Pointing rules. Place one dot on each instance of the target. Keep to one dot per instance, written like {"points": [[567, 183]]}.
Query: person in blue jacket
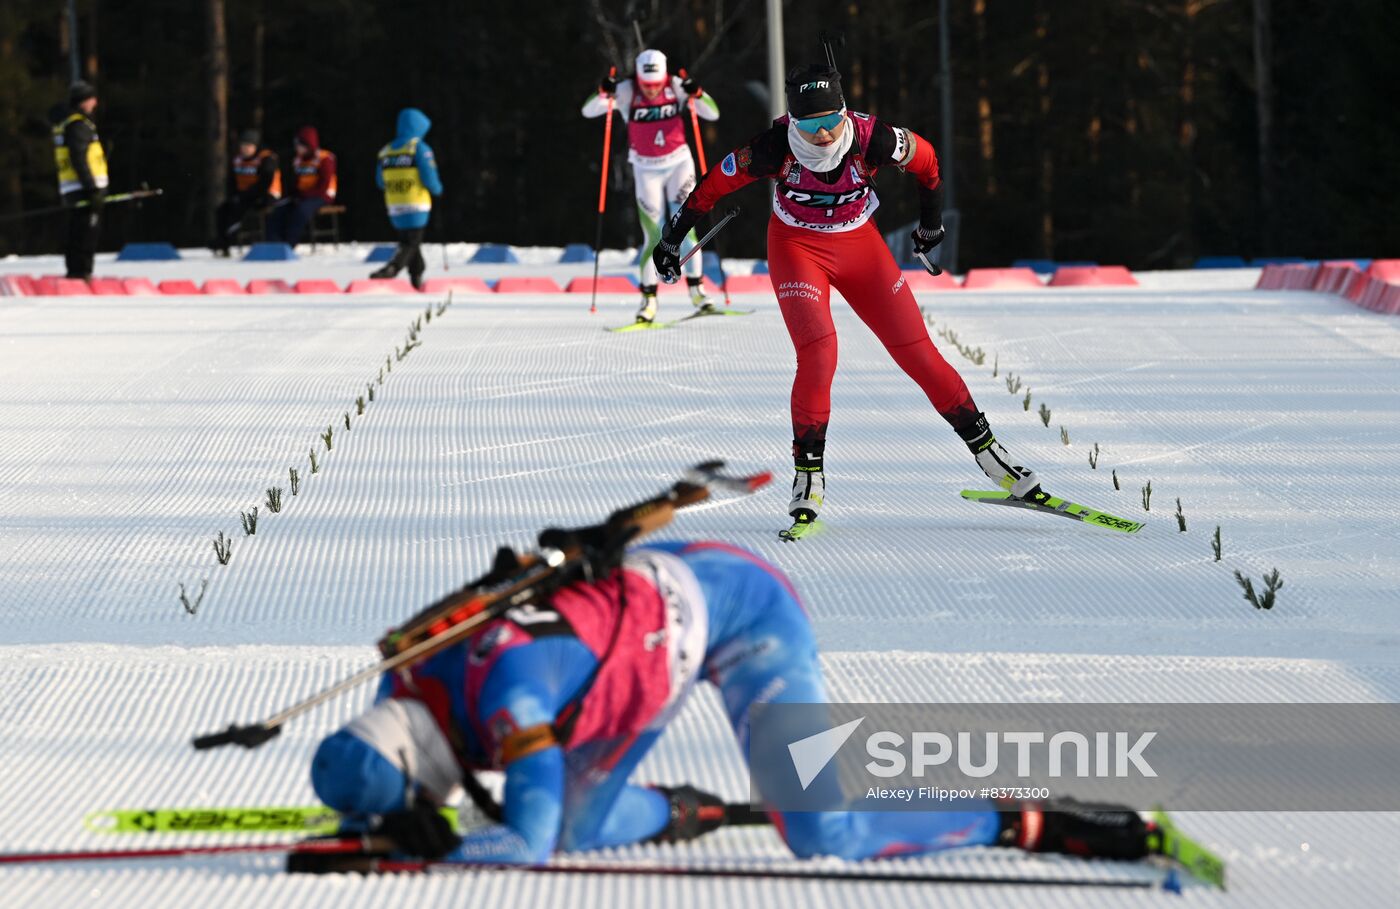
{"points": [[408, 174], [567, 696]]}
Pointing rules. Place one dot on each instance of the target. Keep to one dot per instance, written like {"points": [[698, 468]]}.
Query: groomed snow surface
{"points": [[134, 430]]}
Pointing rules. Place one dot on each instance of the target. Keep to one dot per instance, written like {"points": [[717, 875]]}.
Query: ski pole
{"points": [[729, 216], [356, 846], [84, 203], [695, 126], [456, 616], [602, 193]]}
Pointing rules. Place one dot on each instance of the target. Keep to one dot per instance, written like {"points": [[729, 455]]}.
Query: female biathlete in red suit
{"points": [[821, 235]]}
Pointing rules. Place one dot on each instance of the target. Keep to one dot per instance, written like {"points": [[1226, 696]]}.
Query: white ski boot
{"points": [[647, 311], [995, 462]]}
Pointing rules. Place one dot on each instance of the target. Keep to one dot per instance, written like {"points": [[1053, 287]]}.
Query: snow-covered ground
{"points": [[134, 430]]}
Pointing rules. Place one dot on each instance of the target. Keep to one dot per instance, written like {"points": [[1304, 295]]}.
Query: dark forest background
{"points": [[1144, 132]]}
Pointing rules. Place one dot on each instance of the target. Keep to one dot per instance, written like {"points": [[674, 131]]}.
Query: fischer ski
{"points": [[1048, 504], [707, 310], [1193, 858], [308, 819]]}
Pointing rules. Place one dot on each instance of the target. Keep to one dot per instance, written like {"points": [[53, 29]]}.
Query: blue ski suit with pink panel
{"points": [[757, 646]]}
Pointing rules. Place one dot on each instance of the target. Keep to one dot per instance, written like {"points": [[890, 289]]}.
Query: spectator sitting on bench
{"points": [[254, 185], [314, 187]]}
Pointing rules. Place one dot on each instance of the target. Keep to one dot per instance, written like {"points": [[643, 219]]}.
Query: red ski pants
{"points": [[804, 266]]}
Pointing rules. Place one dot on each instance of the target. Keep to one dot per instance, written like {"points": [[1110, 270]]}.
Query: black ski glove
{"points": [[608, 85], [691, 87], [1071, 828], [667, 259], [693, 814], [926, 238], [420, 830]]}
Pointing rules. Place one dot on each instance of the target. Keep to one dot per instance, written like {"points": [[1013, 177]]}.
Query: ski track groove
{"points": [[1270, 415]]}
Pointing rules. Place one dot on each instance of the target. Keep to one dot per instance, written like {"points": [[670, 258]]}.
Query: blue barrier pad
{"points": [[577, 252], [270, 252], [1220, 262], [148, 252], [495, 254]]}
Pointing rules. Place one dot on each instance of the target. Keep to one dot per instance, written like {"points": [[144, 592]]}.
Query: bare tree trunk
{"points": [[986, 130], [216, 154], [259, 67], [1186, 137], [1047, 158], [1264, 107]]}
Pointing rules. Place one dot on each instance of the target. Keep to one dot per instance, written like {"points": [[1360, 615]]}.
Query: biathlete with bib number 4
{"points": [[654, 105], [821, 235]]}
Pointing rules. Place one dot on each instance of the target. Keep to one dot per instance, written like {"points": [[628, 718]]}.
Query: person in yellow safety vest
{"points": [[82, 177], [315, 186], [408, 174], [254, 184]]}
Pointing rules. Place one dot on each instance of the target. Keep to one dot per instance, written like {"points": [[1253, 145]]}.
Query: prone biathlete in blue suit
{"points": [[568, 698]]}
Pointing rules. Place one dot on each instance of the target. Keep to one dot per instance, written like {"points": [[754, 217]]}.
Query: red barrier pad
{"points": [[999, 278], [462, 283], [607, 284], [380, 286], [223, 286], [1387, 270], [1093, 276], [56, 286], [750, 284], [922, 280], [710, 287], [269, 286], [316, 286], [535, 285], [1332, 277], [179, 288], [139, 287], [107, 287], [1390, 302], [16, 285]]}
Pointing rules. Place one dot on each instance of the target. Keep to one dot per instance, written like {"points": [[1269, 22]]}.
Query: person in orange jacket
{"points": [[314, 186]]}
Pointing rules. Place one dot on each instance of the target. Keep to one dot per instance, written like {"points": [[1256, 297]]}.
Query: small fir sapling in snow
{"points": [[192, 608], [369, 391], [996, 365], [1094, 457], [1180, 518], [359, 405], [223, 548], [315, 468], [1064, 436], [1147, 496], [295, 479], [250, 521], [274, 499], [1044, 414], [1215, 543], [327, 436], [347, 420], [1026, 404], [1115, 480], [1272, 585]]}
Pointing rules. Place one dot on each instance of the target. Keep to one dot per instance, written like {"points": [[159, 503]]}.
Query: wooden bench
{"points": [[325, 225]]}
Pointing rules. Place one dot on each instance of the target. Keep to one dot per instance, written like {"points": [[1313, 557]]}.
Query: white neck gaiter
{"points": [[816, 158]]}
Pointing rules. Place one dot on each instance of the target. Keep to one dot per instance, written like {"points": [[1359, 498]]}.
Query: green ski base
{"points": [[1048, 504], [1193, 858], [309, 819]]}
